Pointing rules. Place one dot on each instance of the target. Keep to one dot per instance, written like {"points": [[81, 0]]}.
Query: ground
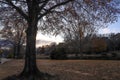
{"points": [[69, 69]]}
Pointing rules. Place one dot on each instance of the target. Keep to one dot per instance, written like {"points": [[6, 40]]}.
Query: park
{"points": [[85, 52]]}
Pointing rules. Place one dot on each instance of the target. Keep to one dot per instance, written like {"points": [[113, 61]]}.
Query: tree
{"points": [[14, 30], [113, 41], [86, 21], [34, 10], [41, 50], [98, 45], [77, 33]]}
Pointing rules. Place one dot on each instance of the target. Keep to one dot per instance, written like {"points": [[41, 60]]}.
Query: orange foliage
{"points": [[98, 45]]}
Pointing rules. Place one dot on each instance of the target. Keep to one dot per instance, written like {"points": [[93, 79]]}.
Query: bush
{"points": [[114, 55], [58, 53], [10, 55]]}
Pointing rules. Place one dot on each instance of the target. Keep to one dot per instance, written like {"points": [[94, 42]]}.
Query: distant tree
{"points": [[118, 41], [58, 53], [1, 51], [98, 45], [87, 21], [51, 47], [14, 30], [42, 50], [113, 41], [77, 32]]}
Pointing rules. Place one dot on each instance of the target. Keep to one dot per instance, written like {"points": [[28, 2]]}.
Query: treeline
{"points": [[97, 46]]}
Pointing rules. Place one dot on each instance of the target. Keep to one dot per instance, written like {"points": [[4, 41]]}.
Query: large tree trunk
{"points": [[30, 67]]}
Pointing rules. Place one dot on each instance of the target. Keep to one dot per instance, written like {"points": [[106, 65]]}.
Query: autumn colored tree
{"points": [[98, 45]]}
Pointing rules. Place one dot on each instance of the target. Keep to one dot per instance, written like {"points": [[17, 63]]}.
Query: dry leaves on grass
{"points": [[69, 69]]}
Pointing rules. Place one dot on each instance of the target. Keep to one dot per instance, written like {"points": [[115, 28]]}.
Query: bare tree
{"points": [[87, 20], [14, 30], [77, 32], [32, 11]]}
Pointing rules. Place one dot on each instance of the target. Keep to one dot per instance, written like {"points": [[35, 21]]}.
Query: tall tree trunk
{"points": [[14, 53], [17, 48], [30, 68], [80, 48], [18, 51]]}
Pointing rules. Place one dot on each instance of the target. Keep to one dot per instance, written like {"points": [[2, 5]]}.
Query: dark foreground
{"points": [[68, 69]]}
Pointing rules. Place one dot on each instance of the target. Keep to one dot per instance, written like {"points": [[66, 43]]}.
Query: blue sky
{"points": [[112, 28]]}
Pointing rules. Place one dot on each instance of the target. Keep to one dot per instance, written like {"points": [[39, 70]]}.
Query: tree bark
{"points": [[17, 49], [14, 53], [30, 68]]}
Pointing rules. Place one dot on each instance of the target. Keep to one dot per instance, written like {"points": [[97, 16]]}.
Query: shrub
{"points": [[58, 53], [10, 55], [114, 55]]}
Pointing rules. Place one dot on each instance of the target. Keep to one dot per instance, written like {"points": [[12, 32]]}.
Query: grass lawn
{"points": [[69, 69]]}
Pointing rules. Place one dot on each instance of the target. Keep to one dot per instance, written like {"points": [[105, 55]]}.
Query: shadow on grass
{"points": [[43, 76]]}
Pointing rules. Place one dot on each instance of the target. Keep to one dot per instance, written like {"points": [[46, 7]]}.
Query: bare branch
{"points": [[43, 5], [18, 9], [3, 2], [53, 7]]}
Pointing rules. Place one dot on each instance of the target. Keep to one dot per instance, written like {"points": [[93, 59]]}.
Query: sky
{"points": [[112, 28], [47, 39]]}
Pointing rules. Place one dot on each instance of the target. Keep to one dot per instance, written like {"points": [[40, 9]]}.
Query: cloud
{"points": [[51, 38], [104, 31], [42, 42], [47, 39], [109, 30]]}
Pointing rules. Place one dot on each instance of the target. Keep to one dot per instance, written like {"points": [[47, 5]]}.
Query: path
{"points": [[3, 60]]}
